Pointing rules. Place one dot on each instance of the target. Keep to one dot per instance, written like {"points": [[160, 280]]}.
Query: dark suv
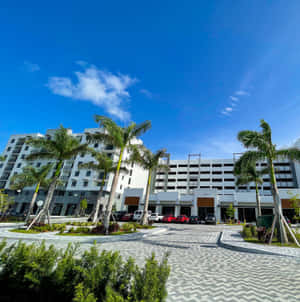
{"points": [[210, 218], [194, 219]]}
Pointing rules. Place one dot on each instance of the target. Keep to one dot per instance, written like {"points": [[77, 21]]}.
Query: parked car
{"points": [[119, 214], [194, 220], [210, 218], [138, 215], [169, 218], [127, 217], [156, 217], [182, 219]]}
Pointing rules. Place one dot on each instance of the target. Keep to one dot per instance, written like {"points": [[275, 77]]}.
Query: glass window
{"points": [[77, 173], [74, 182], [88, 173], [85, 183]]}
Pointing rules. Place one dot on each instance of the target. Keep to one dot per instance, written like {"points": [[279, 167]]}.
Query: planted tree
{"points": [[104, 165], [5, 203], [149, 161], [83, 206], [30, 177], [61, 147], [262, 148], [248, 174], [121, 138], [230, 211]]}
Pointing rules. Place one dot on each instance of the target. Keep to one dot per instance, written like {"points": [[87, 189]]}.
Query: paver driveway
{"points": [[203, 271]]}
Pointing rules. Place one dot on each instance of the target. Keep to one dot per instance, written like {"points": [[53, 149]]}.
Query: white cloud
{"points": [[234, 98], [227, 111], [102, 88], [146, 92], [242, 92], [31, 67]]}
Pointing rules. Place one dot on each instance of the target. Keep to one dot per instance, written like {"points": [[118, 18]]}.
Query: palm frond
{"points": [[251, 139], [41, 155], [90, 166], [291, 153], [266, 131], [141, 128]]}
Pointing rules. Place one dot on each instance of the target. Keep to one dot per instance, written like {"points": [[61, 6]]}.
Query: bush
{"points": [[128, 227], [247, 231], [36, 273], [113, 227], [253, 230]]}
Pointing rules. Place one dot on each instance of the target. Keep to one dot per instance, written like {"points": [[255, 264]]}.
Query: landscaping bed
{"points": [[250, 235]]}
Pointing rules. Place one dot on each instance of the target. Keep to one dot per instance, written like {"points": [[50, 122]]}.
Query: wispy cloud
{"points": [[102, 88], [242, 92], [234, 101], [146, 92], [31, 67]]}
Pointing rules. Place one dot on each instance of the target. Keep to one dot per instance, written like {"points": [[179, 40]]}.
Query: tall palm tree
{"points": [[248, 174], [121, 138], [262, 148], [61, 147], [149, 161], [105, 165], [29, 177]]}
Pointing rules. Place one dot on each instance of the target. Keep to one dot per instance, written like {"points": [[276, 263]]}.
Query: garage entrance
{"points": [[185, 211], [168, 210], [132, 208], [247, 214], [266, 211], [203, 211]]}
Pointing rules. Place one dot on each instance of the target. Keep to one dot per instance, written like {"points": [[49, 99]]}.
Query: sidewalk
{"points": [[233, 240]]}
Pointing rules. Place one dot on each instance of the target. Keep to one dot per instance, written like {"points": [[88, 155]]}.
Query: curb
{"points": [[249, 250]]}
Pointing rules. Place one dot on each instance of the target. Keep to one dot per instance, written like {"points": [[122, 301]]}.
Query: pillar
{"points": [[177, 211], [218, 214], [158, 209]]}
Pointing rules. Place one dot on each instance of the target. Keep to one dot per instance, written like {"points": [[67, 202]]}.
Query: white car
{"points": [[138, 215], [156, 217]]}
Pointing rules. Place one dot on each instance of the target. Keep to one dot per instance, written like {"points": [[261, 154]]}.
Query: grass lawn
{"points": [[275, 242], [25, 231], [93, 234]]}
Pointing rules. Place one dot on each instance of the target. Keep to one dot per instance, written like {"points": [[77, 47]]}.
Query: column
{"points": [[158, 209], [177, 211], [218, 214]]}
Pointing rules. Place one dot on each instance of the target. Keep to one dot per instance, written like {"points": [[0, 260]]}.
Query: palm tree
{"points": [[61, 147], [262, 148], [149, 161], [105, 165], [29, 177], [121, 138], [248, 174]]}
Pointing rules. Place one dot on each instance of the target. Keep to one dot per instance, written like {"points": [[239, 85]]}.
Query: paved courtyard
{"points": [[201, 270]]}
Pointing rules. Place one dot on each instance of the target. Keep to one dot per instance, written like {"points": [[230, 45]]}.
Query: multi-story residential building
{"points": [[199, 186], [77, 183]]}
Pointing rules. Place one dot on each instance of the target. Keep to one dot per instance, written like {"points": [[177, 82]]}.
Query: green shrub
{"points": [[128, 227], [253, 230], [247, 231], [36, 273]]}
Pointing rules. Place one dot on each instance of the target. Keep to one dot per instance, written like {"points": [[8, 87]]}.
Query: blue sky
{"points": [[199, 70]]}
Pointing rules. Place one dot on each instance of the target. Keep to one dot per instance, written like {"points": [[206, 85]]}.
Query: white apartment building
{"points": [[199, 186], [78, 183]]}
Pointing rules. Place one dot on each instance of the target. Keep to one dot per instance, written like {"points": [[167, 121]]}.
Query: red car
{"points": [[169, 218], [182, 219], [127, 217]]}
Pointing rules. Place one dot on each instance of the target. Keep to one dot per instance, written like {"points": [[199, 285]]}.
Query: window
{"points": [[77, 173], [74, 182], [70, 193], [101, 175], [79, 163], [12, 141], [216, 172], [204, 179], [61, 193], [26, 148], [23, 156], [88, 173], [217, 180], [38, 164], [129, 181], [194, 166], [229, 179], [172, 173], [119, 196], [82, 154], [1, 165], [9, 148], [181, 187], [182, 166], [171, 188], [85, 183], [82, 194], [216, 165], [96, 145], [173, 166], [109, 147], [228, 172], [229, 188], [130, 173], [228, 165], [132, 164], [122, 177], [19, 165], [121, 187], [205, 165]]}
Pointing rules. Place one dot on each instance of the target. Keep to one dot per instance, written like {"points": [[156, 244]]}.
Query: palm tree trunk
{"points": [[44, 213], [112, 194], [146, 203], [277, 205], [32, 202], [95, 218], [257, 200]]}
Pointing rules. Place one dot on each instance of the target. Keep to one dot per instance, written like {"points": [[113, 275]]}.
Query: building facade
{"points": [[77, 183], [200, 186]]}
